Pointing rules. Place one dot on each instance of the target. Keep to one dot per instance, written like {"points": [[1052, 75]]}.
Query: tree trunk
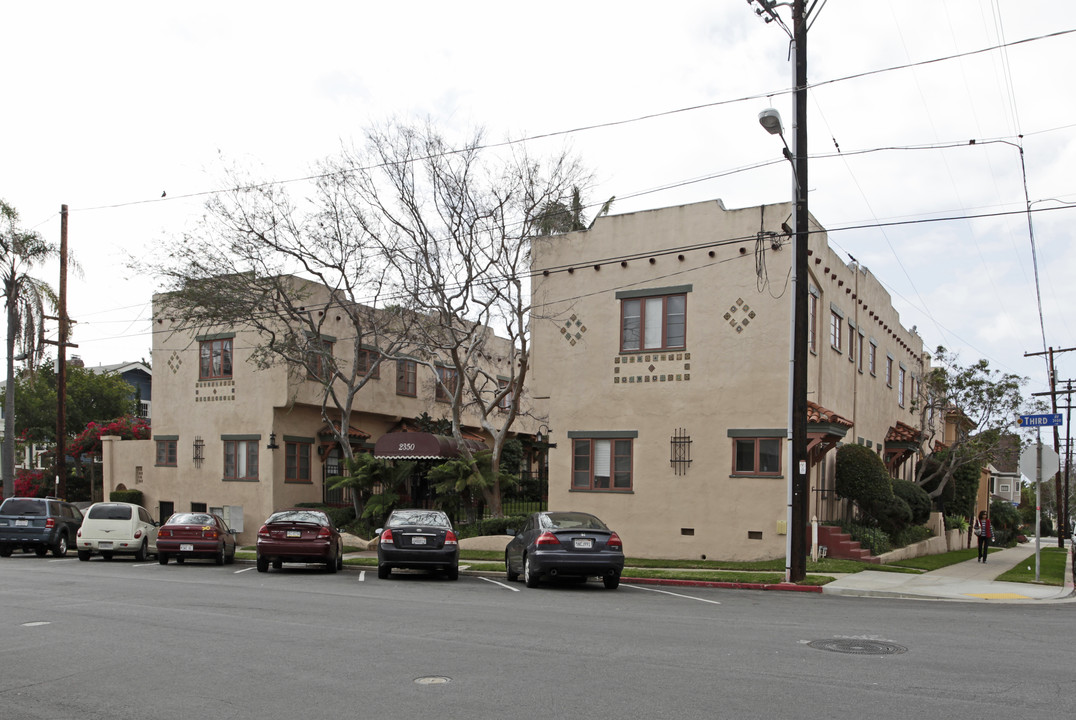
{"points": [[8, 467]]}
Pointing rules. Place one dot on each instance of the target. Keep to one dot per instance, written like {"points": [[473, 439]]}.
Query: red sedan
{"points": [[299, 535], [195, 535]]}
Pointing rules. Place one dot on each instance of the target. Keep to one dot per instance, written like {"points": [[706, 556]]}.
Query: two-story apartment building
{"points": [[661, 339], [245, 439]]}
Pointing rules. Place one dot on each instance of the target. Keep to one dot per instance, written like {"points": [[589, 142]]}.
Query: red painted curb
{"points": [[787, 587]]}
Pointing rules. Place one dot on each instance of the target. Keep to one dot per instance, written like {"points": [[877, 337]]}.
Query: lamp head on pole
{"points": [[771, 120]]}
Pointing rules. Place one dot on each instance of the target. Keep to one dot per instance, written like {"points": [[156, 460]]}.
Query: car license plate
{"points": [[105, 545], [294, 533], [22, 523], [417, 540], [584, 543], [186, 548]]}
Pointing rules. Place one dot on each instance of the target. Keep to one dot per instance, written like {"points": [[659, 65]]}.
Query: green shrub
{"points": [[491, 526], [911, 535], [916, 497], [965, 490], [861, 476], [341, 517], [127, 496], [893, 514], [1046, 526], [873, 538], [1005, 522], [956, 522]]}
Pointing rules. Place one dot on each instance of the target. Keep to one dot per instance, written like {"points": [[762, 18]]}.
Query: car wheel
{"points": [[41, 551], [530, 577], [106, 555], [263, 564], [383, 571], [339, 562], [330, 564], [611, 581], [83, 555], [453, 572], [230, 558], [162, 558], [5, 552], [140, 556], [511, 574], [220, 557], [61, 547]]}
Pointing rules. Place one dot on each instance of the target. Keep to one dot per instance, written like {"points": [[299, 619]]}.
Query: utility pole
{"points": [[61, 365], [796, 562], [1049, 352]]}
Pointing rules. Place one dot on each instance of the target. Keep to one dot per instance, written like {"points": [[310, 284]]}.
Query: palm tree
{"points": [[26, 300]]}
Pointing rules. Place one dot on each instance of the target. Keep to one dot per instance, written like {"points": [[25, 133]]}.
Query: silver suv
{"points": [[38, 524]]}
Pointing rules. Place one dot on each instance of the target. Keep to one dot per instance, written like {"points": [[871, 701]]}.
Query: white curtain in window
{"points": [[601, 458], [653, 323]]}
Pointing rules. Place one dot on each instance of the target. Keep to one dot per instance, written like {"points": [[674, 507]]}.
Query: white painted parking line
{"points": [[666, 592], [248, 569], [495, 582], [147, 564], [362, 576]]}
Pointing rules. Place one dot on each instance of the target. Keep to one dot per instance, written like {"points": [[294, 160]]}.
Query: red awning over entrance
{"points": [[421, 446]]}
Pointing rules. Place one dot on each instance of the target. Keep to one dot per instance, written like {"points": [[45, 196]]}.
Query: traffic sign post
{"points": [[1035, 462]]}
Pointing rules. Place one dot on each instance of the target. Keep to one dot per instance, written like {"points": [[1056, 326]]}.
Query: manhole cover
{"points": [[854, 646], [432, 680]]}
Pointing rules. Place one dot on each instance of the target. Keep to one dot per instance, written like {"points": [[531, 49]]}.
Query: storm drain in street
{"points": [[855, 646], [432, 680]]}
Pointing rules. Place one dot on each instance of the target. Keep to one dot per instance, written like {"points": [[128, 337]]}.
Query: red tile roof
{"points": [[818, 414]]}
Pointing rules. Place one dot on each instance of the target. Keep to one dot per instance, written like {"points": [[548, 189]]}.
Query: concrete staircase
{"points": [[840, 544]]}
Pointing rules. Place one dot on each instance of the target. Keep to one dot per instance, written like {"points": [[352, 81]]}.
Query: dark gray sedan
{"points": [[565, 544], [418, 539]]}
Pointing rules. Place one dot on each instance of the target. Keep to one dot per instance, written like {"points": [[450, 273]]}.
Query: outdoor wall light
{"points": [[272, 441]]}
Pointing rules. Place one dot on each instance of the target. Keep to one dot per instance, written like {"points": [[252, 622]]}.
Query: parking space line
{"points": [[247, 569], [495, 582], [362, 576], [666, 592], [147, 564]]}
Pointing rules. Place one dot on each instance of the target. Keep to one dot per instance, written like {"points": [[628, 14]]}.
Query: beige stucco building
{"points": [[243, 440], [661, 339]]}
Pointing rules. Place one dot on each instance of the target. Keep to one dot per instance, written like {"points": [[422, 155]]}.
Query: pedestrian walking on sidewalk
{"points": [[985, 533]]}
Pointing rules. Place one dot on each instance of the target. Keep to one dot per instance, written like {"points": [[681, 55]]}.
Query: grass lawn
{"points": [[1051, 568], [927, 563]]}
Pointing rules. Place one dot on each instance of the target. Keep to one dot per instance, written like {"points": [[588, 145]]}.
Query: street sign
{"points": [[1047, 420], [1029, 462]]}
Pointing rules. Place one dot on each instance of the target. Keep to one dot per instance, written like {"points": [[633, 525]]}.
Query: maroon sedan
{"points": [[195, 535], [299, 535]]}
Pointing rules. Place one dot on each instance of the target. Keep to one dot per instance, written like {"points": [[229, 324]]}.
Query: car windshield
{"points": [[571, 521], [21, 506], [110, 512], [190, 519], [419, 517], [299, 516]]}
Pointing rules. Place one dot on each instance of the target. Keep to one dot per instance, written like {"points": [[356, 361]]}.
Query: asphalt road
{"points": [[117, 640]]}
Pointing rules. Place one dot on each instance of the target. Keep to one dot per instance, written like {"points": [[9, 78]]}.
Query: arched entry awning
{"points": [[825, 429], [421, 446]]}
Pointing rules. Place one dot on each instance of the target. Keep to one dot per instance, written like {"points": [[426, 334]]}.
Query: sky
{"points": [[109, 105]]}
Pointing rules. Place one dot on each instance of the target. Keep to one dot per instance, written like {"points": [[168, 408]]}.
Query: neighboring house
{"points": [[1004, 480], [241, 440], [140, 377], [661, 339]]}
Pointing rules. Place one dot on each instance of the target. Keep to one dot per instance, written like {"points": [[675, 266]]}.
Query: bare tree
{"points": [[26, 300], [455, 223], [981, 406], [262, 261]]}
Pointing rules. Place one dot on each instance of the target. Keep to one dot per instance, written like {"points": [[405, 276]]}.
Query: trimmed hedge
{"points": [[341, 517], [917, 498], [128, 496], [491, 526]]}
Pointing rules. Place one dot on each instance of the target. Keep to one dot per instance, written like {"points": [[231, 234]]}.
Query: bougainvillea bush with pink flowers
{"points": [[126, 428]]}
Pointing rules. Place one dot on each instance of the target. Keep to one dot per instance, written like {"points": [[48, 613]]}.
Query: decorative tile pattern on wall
{"points": [[214, 391], [653, 367], [739, 315], [572, 330], [174, 362]]}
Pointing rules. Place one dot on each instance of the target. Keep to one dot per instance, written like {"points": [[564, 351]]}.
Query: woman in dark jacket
{"points": [[985, 533]]}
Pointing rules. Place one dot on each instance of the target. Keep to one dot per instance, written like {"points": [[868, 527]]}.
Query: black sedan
{"points": [[565, 544], [418, 539]]}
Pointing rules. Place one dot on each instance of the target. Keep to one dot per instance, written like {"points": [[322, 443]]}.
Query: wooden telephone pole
{"points": [[61, 365]]}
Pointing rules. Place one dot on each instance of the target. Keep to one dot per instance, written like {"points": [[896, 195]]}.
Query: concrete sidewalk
{"points": [[969, 581]]}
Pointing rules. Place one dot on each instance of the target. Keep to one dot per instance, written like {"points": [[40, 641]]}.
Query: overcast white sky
{"points": [[109, 104]]}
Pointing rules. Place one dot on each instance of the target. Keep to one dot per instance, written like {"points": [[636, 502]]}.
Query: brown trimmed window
{"points": [[654, 323], [851, 343], [166, 453], [297, 462], [900, 387], [505, 403], [407, 378], [240, 459], [756, 456], [600, 464], [889, 371], [367, 364], [447, 380], [835, 322], [319, 360], [872, 358], [215, 359], [812, 322]]}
